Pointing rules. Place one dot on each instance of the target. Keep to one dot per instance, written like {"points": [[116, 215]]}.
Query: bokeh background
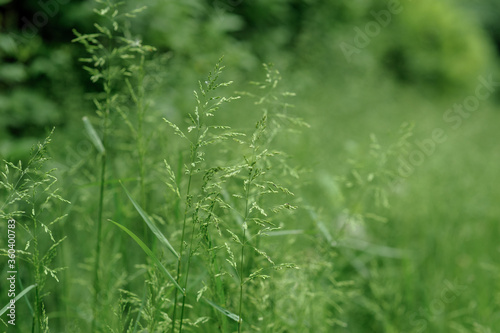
{"points": [[407, 92]]}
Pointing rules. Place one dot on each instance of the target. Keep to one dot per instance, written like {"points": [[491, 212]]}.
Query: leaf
{"points": [[227, 313], [151, 225], [21, 294], [285, 232], [93, 135], [376, 217], [150, 254]]}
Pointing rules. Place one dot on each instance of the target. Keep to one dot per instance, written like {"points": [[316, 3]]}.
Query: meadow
{"points": [[227, 166]]}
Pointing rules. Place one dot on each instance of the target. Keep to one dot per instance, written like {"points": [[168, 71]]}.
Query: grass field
{"points": [[285, 201]]}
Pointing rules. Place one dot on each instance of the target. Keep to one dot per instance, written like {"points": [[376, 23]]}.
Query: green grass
{"points": [[248, 208]]}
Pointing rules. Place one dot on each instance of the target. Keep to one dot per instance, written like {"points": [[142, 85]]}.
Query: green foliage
{"points": [[435, 56], [394, 41], [485, 11], [39, 81], [32, 199], [234, 209]]}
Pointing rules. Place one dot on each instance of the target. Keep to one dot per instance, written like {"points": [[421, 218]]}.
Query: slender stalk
{"points": [[187, 277], [181, 250], [247, 197], [214, 270], [36, 262], [100, 210], [194, 150], [141, 149], [241, 282], [140, 140], [99, 239]]}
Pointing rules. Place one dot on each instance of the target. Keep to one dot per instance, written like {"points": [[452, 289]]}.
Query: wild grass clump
{"points": [[194, 219], [222, 188], [33, 200], [223, 217], [115, 58]]}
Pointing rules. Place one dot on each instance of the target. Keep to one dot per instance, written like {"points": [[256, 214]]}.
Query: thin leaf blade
{"points": [[150, 254], [21, 294], [94, 137], [151, 225], [225, 312]]}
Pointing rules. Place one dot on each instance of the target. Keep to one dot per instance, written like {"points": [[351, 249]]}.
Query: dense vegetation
{"points": [[250, 166]]}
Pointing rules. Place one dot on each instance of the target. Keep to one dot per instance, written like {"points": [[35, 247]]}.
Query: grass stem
{"points": [[97, 261]]}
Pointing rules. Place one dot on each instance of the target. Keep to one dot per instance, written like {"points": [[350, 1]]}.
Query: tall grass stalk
{"points": [[247, 185], [138, 97], [259, 184], [101, 59], [107, 52], [205, 107], [181, 247], [240, 306], [102, 181]]}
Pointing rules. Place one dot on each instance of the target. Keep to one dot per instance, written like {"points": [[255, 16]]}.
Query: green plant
{"points": [[207, 105], [32, 199], [112, 57], [203, 224], [225, 205]]}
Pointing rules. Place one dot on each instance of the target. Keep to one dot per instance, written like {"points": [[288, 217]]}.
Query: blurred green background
{"points": [[360, 70], [316, 44]]}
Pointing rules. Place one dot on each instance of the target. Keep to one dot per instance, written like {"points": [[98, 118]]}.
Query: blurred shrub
{"points": [[428, 44], [354, 37], [487, 11], [448, 53], [24, 108], [40, 86]]}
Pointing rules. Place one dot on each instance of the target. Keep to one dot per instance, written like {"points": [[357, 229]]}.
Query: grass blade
{"points": [[285, 232], [93, 135], [225, 312], [151, 225], [21, 294], [146, 249]]}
